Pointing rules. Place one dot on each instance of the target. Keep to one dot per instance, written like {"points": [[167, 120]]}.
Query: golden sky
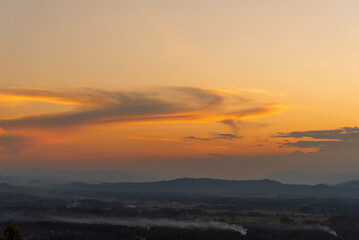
{"points": [[229, 89]]}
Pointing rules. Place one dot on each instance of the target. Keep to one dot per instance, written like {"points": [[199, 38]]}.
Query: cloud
{"points": [[215, 136], [232, 124], [323, 138], [345, 133], [71, 96], [170, 104], [226, 136], [197, 138], [96, 107]]}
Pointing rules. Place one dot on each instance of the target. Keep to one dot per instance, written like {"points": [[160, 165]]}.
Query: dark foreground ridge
{"points": [[185, 208]]}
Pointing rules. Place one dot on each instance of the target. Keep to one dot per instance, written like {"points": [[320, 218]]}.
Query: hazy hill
{"points": [[206, 186], [350, 184], [42, 176], [4, 187], [299, 177], [195, 186]]}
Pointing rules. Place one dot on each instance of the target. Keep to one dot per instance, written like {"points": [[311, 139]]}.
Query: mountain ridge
{"points": [[199, 186], [206, 186], [302, 177]]}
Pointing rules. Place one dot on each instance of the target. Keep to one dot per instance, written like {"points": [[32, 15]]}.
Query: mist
{"points": [[302, 227], [148, 223]]}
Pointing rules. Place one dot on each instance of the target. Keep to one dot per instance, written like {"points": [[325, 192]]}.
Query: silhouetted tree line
{"points": [[11, 232]]}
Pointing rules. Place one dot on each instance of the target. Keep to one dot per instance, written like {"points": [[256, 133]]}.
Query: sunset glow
{"points": [[224, 89]]}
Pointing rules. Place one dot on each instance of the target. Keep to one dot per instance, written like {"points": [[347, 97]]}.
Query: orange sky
{"points": [[180, 88]]}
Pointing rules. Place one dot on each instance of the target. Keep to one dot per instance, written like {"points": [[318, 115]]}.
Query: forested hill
{"points": [[197, 186], [208, 186]]}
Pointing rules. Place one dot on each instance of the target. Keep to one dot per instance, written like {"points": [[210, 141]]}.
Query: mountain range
{"points": [[216, 187], [54, 176], [195, 186], [300, 177], [34, 177]]}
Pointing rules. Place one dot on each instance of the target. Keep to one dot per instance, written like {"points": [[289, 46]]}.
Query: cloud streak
{"points": [[94, 107], [215, 136], [345, 133], [323, 138], [73, 96]]}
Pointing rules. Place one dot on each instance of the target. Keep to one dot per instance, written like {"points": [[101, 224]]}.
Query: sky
{"points": [[224, 89]]}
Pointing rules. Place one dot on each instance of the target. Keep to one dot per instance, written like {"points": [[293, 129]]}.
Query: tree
{"points": [[11, 232]]}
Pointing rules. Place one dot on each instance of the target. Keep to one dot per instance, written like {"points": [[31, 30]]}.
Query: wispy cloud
{"points": [[226, 136], [214, 136], [233, 124], [345, 133], [71, 96], [197, 138], [323, 138], [181, 104], [92, 107]]}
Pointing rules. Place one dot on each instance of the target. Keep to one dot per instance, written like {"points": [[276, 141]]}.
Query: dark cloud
{"points": [[214, 136], [234, 124], [226, 136], [197, 138], [326, 138], [345, 133]]}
